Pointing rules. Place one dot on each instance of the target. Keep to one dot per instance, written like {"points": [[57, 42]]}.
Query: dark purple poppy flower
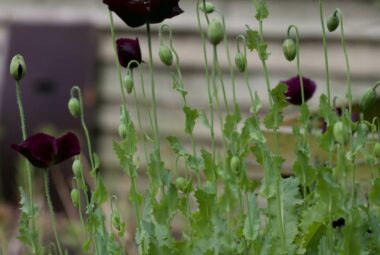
{"points": [[43, 150], [136, 13], [294, 95], [339, 112], [128, 50]]}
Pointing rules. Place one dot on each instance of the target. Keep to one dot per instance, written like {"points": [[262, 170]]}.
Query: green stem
{"points": [[112, 27], [51, 210], [28, 168], [324, 41]]}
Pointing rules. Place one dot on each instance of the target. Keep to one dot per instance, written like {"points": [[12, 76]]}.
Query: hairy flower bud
{"points": [[117, 222], [181, 184], [17, 67], [368, 99], [240, 62], [128, 83], [74, 107], [122, 130], [289, 49], [332, 23], [235, 164], [376, 149], [215, 33], [77, 167], [340, 132], [207, 7], [75, 197], [166, 55]]}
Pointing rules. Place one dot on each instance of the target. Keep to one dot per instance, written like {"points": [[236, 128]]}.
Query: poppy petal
{"points": [[294, 94], [68, 146], [128, 50]]}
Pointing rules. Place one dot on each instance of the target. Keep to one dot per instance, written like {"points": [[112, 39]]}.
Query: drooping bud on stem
{"points": [[17, 67], [240, 62], [215, 33], [207, 7], [77, 167], [74, 107], [340, 132], [75, 197], [333, 22], [289, 49], [128, 83], [166, 55]]}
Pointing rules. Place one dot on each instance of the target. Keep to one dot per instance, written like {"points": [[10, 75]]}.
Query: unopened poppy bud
{"points": [[235, 164], [368, 99], [74, 107], [181, 184], [340, 132], [77, 167], [117, 223], [289, 49], [240, 62], [122, 130], [376, 149], [207, 7], [75, 197], [363, 128], [215, 33], [166, 55], [128, 83], [332, 23], [17, 68]]}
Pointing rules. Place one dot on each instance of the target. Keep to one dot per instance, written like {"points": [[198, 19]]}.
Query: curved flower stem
{"points": [[112, 27], [51, 210], [241, 38], [28, 169], [324, 41], [300, 75], [77, 90], [207, 73], [78, 186]]}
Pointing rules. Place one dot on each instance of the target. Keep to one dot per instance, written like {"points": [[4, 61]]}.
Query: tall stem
{"points": [[28, 168], [51, 210]]}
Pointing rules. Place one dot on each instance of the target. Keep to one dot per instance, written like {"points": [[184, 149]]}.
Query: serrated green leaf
{"points": [[209, 166], [275, 117], [178, 149], [100, 194], [262, 11], [229, 125], [262, 50], [253, 39], [178, 85], [252, 220], [191, 116]]}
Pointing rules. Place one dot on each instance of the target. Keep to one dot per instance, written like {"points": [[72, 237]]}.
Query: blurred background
{"points": [[67, 43]]}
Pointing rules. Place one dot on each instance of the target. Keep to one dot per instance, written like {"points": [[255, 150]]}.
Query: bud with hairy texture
{"points": [[207, 7], [166, 55], [17, 67], [240, 62], [128, 83], [332, 23], [340, 132], [77, 167], [376, 149], [74, 107], [289, 49], [75, 197], [215, 33], [235, 164], [368, 99], [181, 184], [122, 130]]}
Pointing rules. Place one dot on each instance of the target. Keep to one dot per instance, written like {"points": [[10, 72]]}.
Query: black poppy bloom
{"points": [[128, 50], [43, 150], [294, 95], [136, 13]]}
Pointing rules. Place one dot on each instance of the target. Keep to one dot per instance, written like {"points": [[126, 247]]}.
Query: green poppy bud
{"points": [[240, 62], [207, 7], [74, 107], [289, 49], [117, 222], [332, 23], [235, 164], [128, 83], [363, 128], [376, 149], [215, 33], [17, 68], [166, 55], [368, 99], [77, 167], [340, 132], [122, 130], [75, 197], [181, 184]]}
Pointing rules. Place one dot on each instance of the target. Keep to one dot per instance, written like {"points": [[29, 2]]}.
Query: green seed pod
{"points": [[17, 67], [289, 49], [74, 107], [368, 99], [166, 55], [122, 131], [235, 164], [240, 62], [215, 33], [207, 7], [340, 132], [77, 167], [181, 184], [332, 23], [376, 149], [75, 197], [128, 83], [363, 128]]}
